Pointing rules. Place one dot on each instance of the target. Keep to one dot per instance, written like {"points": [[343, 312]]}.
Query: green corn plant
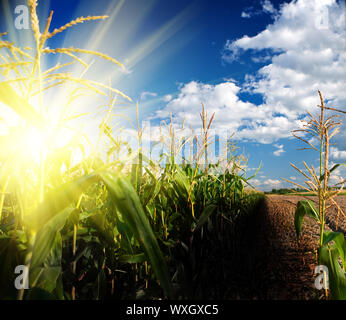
{"points": [[323, 128], [128, 204]]}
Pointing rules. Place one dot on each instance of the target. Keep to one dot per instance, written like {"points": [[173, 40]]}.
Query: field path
{"points": [[289, 269]]}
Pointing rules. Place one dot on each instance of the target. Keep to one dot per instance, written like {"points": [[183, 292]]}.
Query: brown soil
{"points": [[289, 268]]}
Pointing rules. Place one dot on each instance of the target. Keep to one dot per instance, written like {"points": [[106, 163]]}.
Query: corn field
{"points": [[99, 227], [113, 223]]}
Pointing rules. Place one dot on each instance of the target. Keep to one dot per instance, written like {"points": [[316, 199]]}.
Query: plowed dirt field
{"points": [[289, 268]]}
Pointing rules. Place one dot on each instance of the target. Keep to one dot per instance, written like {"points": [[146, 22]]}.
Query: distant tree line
{"points": [[285, 191]]}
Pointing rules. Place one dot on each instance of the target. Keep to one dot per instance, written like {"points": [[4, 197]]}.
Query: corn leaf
{"points": [[304, 208], [339, 240], [329, 256], [128, 204], [58, 199], [207, 212], [46, 237], [39, 294], [129, 258], [10, 98], [52, 267]]}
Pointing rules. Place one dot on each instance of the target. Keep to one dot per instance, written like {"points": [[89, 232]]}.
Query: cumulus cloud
{"points": [[247, 120], [303, 51], [307, 43], [220, 97]]}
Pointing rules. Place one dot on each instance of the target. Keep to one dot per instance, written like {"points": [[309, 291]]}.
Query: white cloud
{"points": [[337, 154], [293, 178], [307, 40], [261, 59], [250, 122], [255, 182], [245, 15], [339, 174], [167, 98], [280, 149], [147, 94], [274, 183], [268, 183], [335, 179], [268, 7], [304, 50]]}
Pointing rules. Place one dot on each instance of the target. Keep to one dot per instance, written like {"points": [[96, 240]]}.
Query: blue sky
{"points": [[256, 64]]}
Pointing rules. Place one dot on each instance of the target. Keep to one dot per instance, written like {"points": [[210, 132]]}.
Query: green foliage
{"points": [[304, 208], [329, 256], [128, 204], [339, 241]]}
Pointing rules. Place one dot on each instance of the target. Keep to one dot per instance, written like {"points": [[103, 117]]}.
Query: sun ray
{"points": [[8, 16]]}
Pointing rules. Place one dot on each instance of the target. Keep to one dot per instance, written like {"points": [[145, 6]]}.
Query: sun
{"points": [[30, 144], [26, 144], [35, 144]]}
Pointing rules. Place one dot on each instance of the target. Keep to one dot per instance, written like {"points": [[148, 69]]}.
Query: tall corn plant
{"points": [[322, 129]]}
